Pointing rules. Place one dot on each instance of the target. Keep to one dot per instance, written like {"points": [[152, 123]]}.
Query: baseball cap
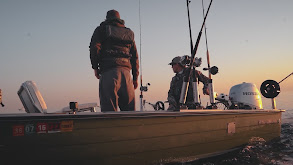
{"points": [[175, 60]]}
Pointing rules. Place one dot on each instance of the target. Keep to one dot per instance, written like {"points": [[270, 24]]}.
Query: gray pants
{"points": [[116, 89]]}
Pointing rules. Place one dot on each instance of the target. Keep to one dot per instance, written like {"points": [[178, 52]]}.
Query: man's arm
{"points": [[95, 48], [205, 80], [134, 64]]}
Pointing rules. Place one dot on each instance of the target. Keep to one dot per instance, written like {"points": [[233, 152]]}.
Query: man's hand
{"points": [[97, 73], [135, 84]]}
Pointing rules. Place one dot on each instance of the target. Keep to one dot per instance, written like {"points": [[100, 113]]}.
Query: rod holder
{"points": [[274, 106]]}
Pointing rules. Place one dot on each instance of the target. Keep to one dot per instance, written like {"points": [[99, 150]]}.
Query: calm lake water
{"points": [[277, 152]]}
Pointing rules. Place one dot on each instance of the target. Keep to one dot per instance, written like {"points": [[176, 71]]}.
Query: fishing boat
{"points": [[140, 137], [132, 137], [144, 137], [83, 135]]}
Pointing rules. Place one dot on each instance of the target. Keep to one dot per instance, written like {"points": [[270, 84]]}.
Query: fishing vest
{"points": [[118, 42]]}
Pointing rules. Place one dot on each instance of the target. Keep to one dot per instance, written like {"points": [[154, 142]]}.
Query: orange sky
{"points": [[249, 41]]}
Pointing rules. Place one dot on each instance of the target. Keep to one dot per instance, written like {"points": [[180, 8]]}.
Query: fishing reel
{"points": [[270, 89], [159, 105], [214, 70], [145, 88], [186, 61]]}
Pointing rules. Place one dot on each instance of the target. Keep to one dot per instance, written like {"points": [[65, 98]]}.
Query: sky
{"points": [[47, 42]]}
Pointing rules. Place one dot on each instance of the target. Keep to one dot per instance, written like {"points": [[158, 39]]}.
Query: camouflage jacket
{"points": [[176, 86]]}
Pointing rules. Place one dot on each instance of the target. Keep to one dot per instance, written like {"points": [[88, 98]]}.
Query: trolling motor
{"points": [[271, 89], [1, 99]]}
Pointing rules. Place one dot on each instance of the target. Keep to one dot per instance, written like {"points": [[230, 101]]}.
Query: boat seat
{"points": [[31, 98]]}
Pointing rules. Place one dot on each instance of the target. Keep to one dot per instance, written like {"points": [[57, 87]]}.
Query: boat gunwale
{"points": [[136, 114]]}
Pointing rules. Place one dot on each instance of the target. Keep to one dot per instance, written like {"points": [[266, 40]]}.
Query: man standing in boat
{"points": [[113, 54], [177, 81]]}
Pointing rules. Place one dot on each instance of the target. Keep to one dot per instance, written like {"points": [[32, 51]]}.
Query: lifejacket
{"points": [[117, 42]]}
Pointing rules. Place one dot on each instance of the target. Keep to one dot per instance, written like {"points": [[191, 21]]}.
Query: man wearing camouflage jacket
{"points": [[176, 84]]}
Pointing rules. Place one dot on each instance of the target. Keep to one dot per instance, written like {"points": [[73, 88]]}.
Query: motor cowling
{"points": [[245, 96]]}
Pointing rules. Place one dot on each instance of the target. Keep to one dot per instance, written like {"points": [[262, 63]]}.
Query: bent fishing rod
{"points": [[185, 85]]}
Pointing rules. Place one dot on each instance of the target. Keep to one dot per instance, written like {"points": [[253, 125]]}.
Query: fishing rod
{"points": [[142, 88], [199, 34], [192, 64], [285, 78], [196, 97], [206, 39], [190, 35], [210, 83]]}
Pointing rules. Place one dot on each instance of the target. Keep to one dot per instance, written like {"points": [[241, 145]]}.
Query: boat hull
{"points": [[132, 137]]}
